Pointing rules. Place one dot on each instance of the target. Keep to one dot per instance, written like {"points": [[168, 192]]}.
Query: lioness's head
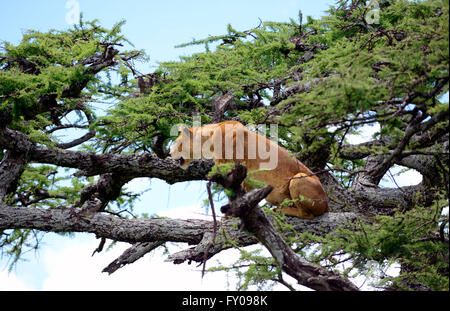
{"points": [[182, 149]]}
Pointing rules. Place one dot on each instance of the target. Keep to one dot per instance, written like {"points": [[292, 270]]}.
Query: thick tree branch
{"points": [[220, 105], [415, 126], [77, 141], [304, 272], [135, 165], [359, 151], [91, 164], [104, 225], [11, 167], [155, 230], [132, 254], [228, 231]]}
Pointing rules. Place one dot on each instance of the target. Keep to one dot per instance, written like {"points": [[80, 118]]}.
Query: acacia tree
{"points": [[319, 80]]}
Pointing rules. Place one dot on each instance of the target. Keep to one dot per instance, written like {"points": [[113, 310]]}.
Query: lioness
{"points": [[231, 141]]}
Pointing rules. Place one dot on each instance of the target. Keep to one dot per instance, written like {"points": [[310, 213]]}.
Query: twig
{"points": [[211, 243], [442, 231], [100, 246], [329, 170], [395, 182]]}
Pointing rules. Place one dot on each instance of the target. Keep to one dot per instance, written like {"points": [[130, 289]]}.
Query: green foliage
{"points": [[47, 76], [13, 243], [253, 269], [45, 71], [238, 65], [365, 67], [43, 79], [221, 169], [362, 68], [252, 182], [406, 238], [225, 168]]}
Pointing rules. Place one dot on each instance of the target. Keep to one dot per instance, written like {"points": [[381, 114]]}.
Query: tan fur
{"points": [[290, 178]]}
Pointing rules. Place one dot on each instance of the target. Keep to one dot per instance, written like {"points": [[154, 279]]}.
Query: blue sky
{"points": [[155, 26]]}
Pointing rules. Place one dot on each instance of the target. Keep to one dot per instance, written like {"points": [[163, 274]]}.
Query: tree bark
{"points": [[189, 231], [135, 252], [11, 168]]}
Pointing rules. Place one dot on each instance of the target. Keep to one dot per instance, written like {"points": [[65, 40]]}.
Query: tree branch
{"points": [[104, 225], [416, 125], [91, 164], [228, 235], [306, 273], [156, 230], [11, 167], [245, 206], [135, 252]]}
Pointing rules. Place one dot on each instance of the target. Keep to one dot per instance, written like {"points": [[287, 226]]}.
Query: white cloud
{"points": [[189, 212], [10, 282], [410, 177], [70, 266], [138, 185], [73, 268], [365, 134]]}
